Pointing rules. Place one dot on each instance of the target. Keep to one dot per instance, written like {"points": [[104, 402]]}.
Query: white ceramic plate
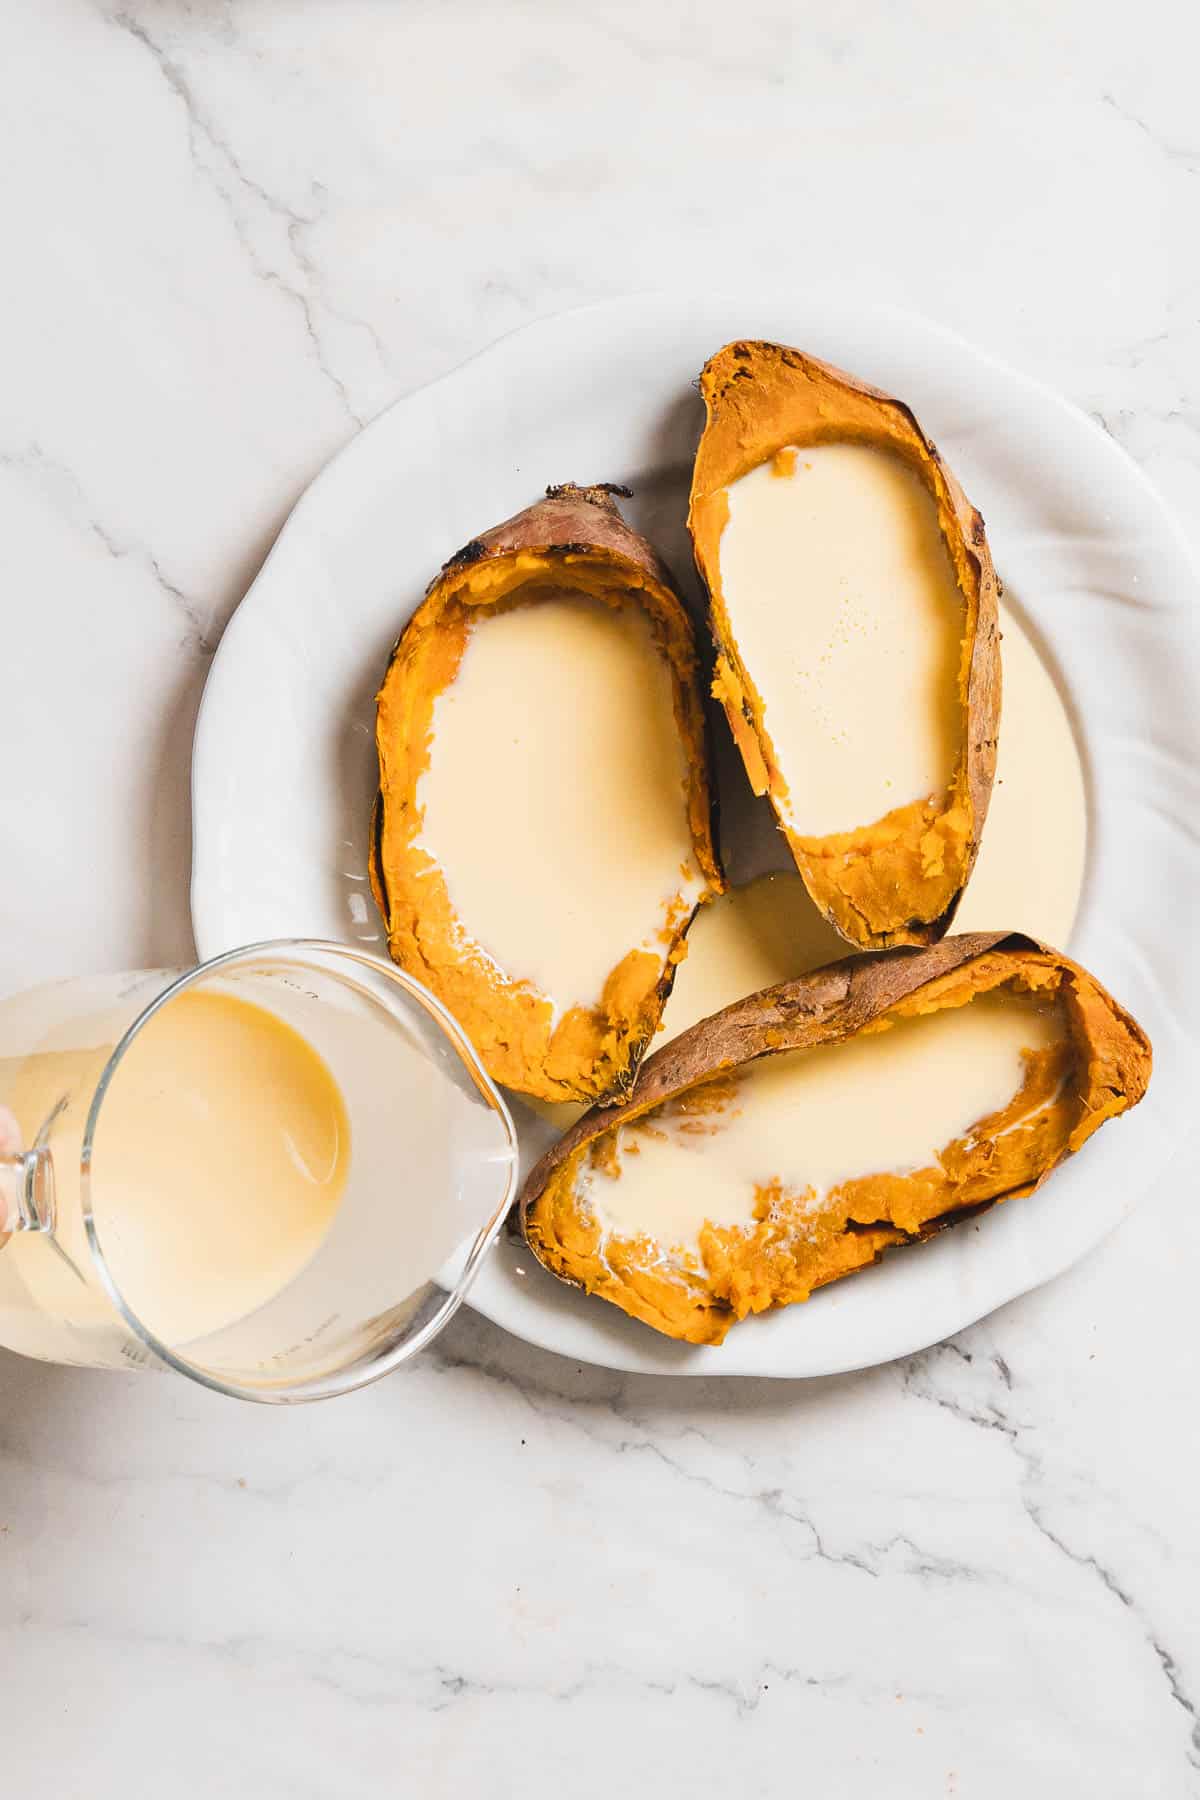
{"points": [[284, 770]]}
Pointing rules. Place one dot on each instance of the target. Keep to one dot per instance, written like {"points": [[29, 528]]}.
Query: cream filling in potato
{"points": [[555, 798], [883, 1103], [844, 607]]}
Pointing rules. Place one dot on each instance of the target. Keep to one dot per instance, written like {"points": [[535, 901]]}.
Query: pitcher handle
{"points": [[26, 1182]]}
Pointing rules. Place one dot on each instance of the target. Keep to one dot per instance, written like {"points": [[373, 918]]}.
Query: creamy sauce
{"points": [[884, 1103], [844, 606], [555, 799], [1029, 876], [220, 1158]]}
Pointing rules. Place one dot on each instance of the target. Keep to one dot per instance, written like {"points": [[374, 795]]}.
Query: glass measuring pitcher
{"points": [[276, 1173]]}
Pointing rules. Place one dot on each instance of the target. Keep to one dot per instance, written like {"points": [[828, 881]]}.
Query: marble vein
{"points": [[993, 1416], [1167, 1662], [208, 143], [64, 489], [371, 1681], [1187, 156], [775, 1503]]}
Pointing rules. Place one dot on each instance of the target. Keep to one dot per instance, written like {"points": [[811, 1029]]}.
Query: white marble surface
{"points": [[233, 230]]}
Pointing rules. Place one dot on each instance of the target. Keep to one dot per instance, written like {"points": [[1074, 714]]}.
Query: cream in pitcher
{"points": [[275, 1173], [242, 1091]]}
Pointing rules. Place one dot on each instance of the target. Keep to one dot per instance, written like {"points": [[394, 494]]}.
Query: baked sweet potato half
{"points": [[852, 602], [794, 1137], [543, 832]]}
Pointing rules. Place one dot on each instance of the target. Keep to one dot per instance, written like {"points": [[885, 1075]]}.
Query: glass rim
{"points": [[356, 1376]]}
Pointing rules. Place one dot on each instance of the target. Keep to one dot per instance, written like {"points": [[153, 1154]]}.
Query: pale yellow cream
{"points": [[1029, 875], [886, 1102], [555, 799], [844, 606], [220, 1159]]}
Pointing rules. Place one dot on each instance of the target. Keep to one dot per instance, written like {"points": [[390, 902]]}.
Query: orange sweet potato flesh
{"points": [[574, 540], [1100, 1068], [898, 879]]}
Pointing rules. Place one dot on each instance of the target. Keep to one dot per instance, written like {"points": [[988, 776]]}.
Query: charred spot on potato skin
{"points": [[470, 553], [574, 490], [978, 534], [377, 856], [931, 1228], [947, 1220]]}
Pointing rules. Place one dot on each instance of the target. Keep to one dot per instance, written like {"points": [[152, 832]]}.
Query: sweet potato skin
{"points": [[574, 538], [570, 521], [899, 880], [829, 1006]]}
